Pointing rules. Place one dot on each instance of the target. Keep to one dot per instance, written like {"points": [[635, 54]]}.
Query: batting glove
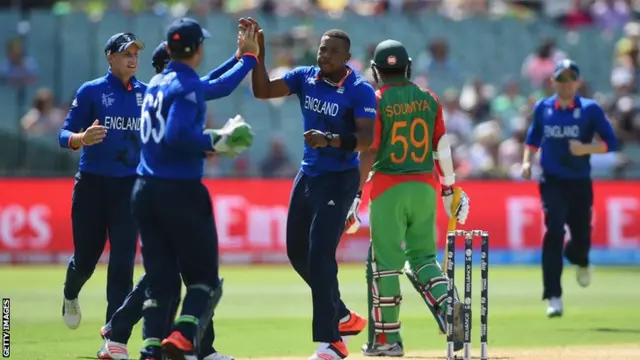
{"points": [[234, 137], [460, 209], [352, 224]]}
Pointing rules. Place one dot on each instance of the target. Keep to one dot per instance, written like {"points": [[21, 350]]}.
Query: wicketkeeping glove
{"points": [[234, 137], [352, 224]]}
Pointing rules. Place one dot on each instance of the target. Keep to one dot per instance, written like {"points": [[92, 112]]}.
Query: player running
{"points": [[338, 109], [218, 83], [170, 203], [410, 137], [104, 122], [563, 128]]}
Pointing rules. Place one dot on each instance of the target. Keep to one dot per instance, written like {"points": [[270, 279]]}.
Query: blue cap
{"points": [[160, 57], [120, 42], [564, 65], [184, 35]]}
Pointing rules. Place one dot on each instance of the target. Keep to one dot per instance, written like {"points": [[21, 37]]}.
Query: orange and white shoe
{"points": [[351, 326], [112, 350], [177, 347], [331, 351]]}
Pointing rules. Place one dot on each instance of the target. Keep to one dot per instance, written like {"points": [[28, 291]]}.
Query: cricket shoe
{"points": [[330, 351], [583, 275], [113, 351], [177, 347], [71, 313], [392, 350], [554, 307], [218, 356], [351, 325]]}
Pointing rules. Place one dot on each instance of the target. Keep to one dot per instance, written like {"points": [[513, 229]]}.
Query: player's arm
{"points": [[78, 119], [442, 157], [365, 111], [265, 88], [226, 83], [222, 68], [603, 128], [367, 158], [534, 136], [181, 133]]}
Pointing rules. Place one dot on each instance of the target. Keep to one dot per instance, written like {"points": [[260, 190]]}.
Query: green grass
{"points": [[266, 311]]}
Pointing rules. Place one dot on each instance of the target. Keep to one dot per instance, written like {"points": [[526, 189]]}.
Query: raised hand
{"points": [[248, 41]]}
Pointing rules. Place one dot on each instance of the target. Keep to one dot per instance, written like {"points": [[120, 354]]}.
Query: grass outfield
{"points": [[265, 313]]}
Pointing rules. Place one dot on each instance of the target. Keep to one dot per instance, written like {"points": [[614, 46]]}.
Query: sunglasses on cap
{"points": [[566, 76]]}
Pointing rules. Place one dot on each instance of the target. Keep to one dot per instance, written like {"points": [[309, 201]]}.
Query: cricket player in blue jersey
{"points": [[104, 123], [218, 83], [563, 129], [338, 109], [171, 204]]}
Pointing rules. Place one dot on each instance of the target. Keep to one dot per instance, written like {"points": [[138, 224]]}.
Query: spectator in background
{"points": [[511, 150], [631, 36], [482, 155], [475, 99], [434, 63], [545, 90], [611, 14], [624, 75], [457, 121], [539, 65], [578, 16], [43, 117], [507, 106], [17, 69], [277, 163]]}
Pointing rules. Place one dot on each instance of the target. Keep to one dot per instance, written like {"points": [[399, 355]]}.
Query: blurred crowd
{"points": [[487, 121]]}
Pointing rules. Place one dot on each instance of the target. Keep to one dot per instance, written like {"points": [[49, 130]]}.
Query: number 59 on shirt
{"points": [[410, 144]]}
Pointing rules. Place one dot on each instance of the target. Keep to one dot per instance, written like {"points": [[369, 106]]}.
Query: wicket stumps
{"points": [[466, 305]]}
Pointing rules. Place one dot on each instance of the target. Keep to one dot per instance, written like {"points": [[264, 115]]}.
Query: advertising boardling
{"points": [[35, 225]]}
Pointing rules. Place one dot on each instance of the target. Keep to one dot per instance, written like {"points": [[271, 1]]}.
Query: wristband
{"points": [[348, 142], [446, 190]]}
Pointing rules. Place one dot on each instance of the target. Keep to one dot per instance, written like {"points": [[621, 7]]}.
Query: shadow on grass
{"points": [[607, 330]]}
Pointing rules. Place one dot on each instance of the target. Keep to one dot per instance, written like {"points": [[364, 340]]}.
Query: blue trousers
{"points": [[128, 315], [317, 211], [100, 208], [565, 202], [179, 239]]}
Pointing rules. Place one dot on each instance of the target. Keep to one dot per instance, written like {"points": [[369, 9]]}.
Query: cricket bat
{"points": [[453, 222]]}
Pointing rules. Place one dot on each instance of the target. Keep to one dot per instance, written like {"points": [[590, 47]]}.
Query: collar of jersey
{"points": [[395, 81], [112, 79], [574, 103], [181, 68], [339, 83]]}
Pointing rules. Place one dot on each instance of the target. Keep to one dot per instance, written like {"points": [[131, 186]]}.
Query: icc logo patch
{"points": [[139, 99]]}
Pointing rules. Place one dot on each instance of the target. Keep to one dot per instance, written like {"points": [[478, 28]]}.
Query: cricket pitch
{"points": [[605, 352]]}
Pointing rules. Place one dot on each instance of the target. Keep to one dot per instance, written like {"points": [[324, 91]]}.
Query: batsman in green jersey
{"points": [[410, 140]]}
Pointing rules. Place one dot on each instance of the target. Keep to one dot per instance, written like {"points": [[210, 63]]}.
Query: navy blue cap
{"points": [[184, 35], [564, 65], [120, 42], [160, 57]]}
